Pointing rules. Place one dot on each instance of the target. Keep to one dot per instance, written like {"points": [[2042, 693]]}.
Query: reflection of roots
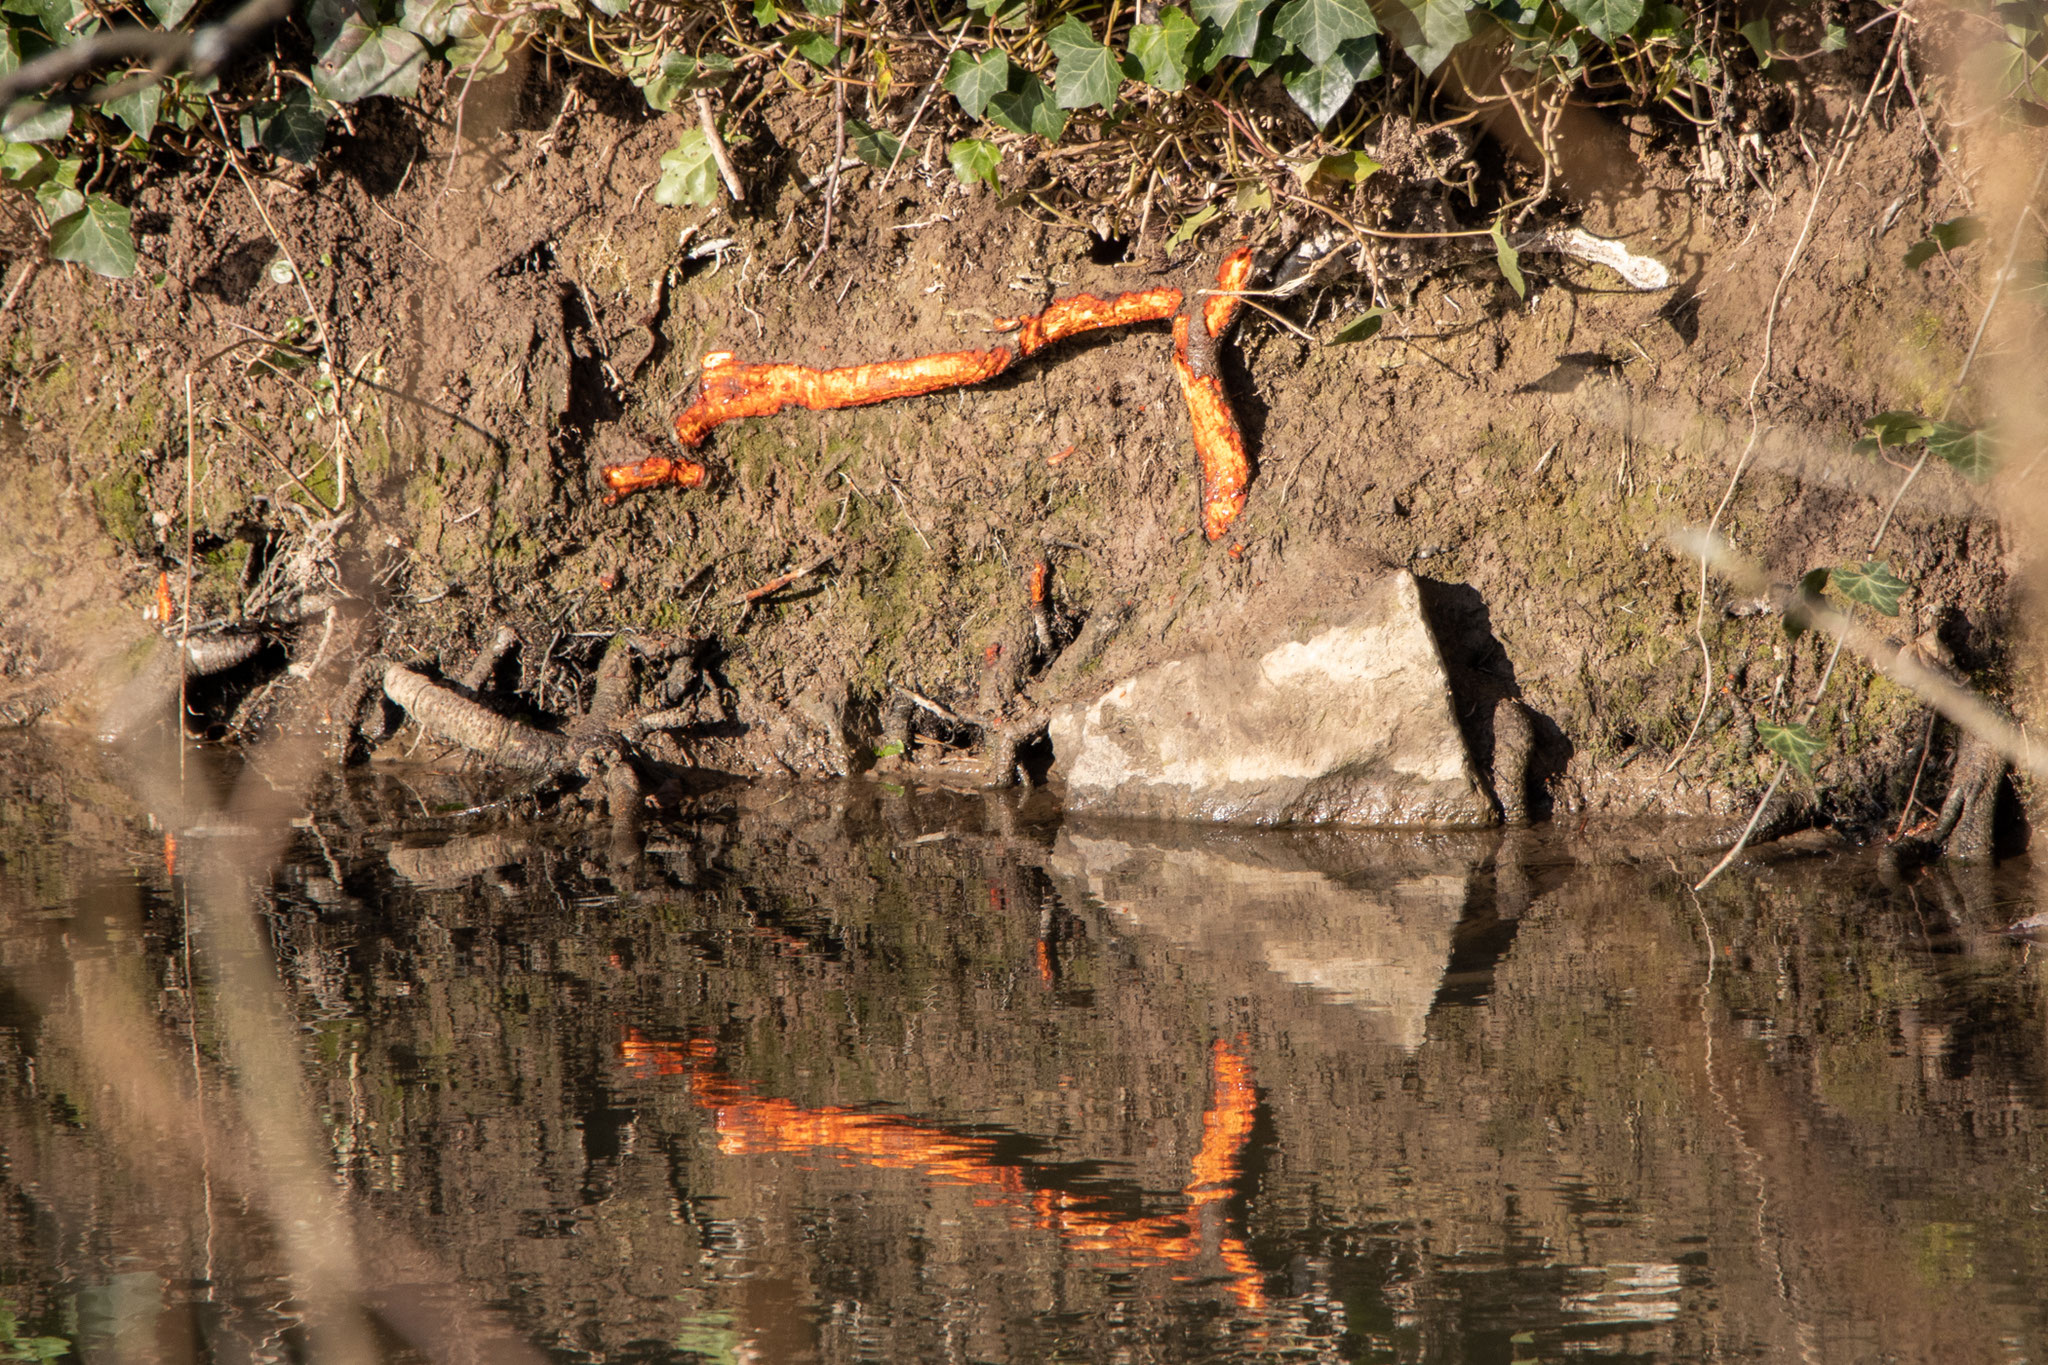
{"points": [[729, 391], [750, 1124]]}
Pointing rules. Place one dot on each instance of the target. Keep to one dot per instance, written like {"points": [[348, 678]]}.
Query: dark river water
{"points": [[875, 1073]]}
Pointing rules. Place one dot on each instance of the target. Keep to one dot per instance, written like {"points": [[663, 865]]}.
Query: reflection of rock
{"points": [[1364, 923], [1351, 725]]}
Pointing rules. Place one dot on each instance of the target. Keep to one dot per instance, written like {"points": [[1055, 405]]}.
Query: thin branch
{"points": [[918, 113], [1756, 818], [203, 51], [1890, 659], [723, 158]]}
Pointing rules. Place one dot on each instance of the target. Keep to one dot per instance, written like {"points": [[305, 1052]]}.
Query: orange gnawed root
{"points": [[729, 391], [652, 472], [1235, 272], [1087, 313], [1226, 469]]}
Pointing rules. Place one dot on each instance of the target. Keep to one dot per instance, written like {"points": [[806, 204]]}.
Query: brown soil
{"points": [[1527, 457]]}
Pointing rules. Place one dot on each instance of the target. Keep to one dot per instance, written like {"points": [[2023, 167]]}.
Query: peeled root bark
{"points": [[729, 391], [1226, 468]]}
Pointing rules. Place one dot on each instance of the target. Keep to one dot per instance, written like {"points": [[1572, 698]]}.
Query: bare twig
{"points": [[781, 581], [838, 152], [918, 113], [1893, 661], [1748, 831], [204, 50], [926, 703], [730, 176]]}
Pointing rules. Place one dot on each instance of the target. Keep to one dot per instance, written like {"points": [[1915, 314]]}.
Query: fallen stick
{"points": [[781, 581]]}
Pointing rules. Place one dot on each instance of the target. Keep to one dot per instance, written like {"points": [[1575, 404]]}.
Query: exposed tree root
{"points": [[1514, 739], [1964, 828], [445, 713], [729, 391]]}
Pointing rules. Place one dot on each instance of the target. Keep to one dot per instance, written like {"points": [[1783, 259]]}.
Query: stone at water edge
{"points": [[1348, 724]]}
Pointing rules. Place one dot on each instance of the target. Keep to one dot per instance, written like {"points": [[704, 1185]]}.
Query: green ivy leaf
{"points": [[1252, 197], [688, 174], [1661, 21], [876, 146], [482, 46], [680, 74], [889, 750], [1353, 168], [1236, 21], [1967, 449], [1605, 19], [973, 159], [2008, 69], [59, 200], [429, 19], [1320, 90], [1427, 30], [294, 127], [1028, 108], [139, 108], [1088, 72], [1510, 260], [364, 61], [1161, 49], [43, 125], [100, 236], [825, 8], [1758, 34], [1872, 583], [1836, 39], [975, 80], [1191, 225], [1794, 743], [765, 13], [1317, 28], [24, 165], [815, 48], [1364, 327], [1896, 428], [170, 13], [54, 17], [1943, 238]]}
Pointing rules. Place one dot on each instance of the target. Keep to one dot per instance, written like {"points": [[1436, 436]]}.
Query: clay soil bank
{"points": [[523, 313]]}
